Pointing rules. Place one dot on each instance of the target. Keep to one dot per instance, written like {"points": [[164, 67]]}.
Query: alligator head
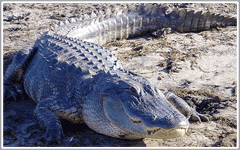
{"points": [[130, 107]]}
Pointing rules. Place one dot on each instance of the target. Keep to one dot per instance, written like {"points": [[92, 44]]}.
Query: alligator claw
{"points": [[198, 117], [9, 91], [13, 91], [203, 118], [52, 138]]}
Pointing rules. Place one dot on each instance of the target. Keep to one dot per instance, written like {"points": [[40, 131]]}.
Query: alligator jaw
{"points": [[177, 130], [161, 133]]}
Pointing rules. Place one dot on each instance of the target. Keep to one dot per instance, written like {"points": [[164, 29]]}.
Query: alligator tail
{"points": [[140, 19]]}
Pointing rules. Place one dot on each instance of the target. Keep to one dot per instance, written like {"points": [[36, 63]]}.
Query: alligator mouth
{"points": [[161, 133]]}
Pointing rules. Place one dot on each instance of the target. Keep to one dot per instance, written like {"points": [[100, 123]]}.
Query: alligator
{"points": [[71, 76]]}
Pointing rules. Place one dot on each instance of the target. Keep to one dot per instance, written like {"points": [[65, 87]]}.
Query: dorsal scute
{"points": [[84, 55]]}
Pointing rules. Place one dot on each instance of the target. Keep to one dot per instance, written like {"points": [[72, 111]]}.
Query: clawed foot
{"points": [[50, 122], [52, 138], [184, 108], [198, 117], [13, 91]]}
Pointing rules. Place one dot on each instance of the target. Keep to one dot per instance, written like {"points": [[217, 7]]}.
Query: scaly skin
{"points": [[83, 82], [137, 20]]}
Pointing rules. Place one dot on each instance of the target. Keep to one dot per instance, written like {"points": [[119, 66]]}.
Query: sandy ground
{"points": [[199, 67]]}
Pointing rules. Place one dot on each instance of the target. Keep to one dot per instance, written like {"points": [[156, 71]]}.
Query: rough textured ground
{"points": [[199, 67]]}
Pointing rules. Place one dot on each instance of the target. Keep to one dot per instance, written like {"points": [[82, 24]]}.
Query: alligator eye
{"points": [[133, 90], [136, 120]]}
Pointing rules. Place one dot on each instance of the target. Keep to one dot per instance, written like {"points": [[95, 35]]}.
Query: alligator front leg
{"points": [[184, 108], [49, 121], [12, 81]]}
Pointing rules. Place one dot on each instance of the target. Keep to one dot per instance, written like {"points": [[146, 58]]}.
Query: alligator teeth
{"points": [[101, 12], [108, 12], [79, 19], [66, 22], [93, 15], [72, 20], [85, 16]]}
